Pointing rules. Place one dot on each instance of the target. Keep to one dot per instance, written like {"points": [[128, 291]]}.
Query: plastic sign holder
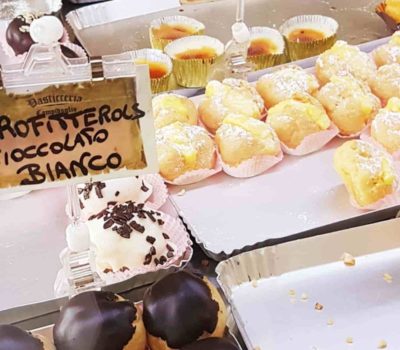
{"points": [[45, 67]]}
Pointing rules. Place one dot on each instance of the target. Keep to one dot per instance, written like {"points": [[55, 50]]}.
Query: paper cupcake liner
{"points": [[313, 142], [152, 55], [160, 44], [265, 61], [81, 53], [353, 136], [366, 136], [251, 167], [195, 176], [391, 23], [388, 201], [179, 237], [298, 51], [160, 192], [194, 73]]}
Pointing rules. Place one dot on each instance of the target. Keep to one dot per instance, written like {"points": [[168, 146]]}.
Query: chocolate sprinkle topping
{"points": [[153, 250], [120, 218], [124, 268], [165, 236], [88, 187], [212, 344], [147, 259], [150, 239], [13, 338], [95, 321], [107, 270], [170, 255], [163, 259], [117, 194], [170, 249], [179, 309], [160, 222], [144, 188]]}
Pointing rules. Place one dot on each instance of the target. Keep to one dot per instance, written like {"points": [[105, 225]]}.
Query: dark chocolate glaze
{"points": [[179, 309], [67, 52], [17, 35], [95, 321], [13, 338], [212, 344]]}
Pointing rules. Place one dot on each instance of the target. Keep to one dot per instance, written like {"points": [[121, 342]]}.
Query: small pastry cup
{"points": [[155, 56], [263, 61], [367, 137], [194, 73], [251, 167], [196, 27], [391, 23], [313, 142], [301, 50]]}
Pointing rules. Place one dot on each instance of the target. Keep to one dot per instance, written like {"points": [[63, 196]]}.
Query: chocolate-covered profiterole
{"points": [[212, 344], [179, 309], [13, 338], [99, 321], [17, 34]]}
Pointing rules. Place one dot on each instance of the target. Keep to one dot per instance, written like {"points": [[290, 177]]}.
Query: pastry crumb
{"points": [[348, 259], [330, 322], [349, 340], [292, 293], [382, 345], [319, 307], [388, 277], [304, 297], [254, 283], [181, 192]]}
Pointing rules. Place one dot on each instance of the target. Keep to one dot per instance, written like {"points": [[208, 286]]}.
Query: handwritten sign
{"points": [[71, 132]]}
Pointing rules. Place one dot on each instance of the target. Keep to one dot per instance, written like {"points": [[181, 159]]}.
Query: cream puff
{"points": [[95, 196], [367, 172], [345, 59], [385, 128], [129, 236], [240, 138], [13, 338], [297, 118], [99, 321], [180, 309], [349, 103], [388, 53], [386, 83], [231, 96], [182, 148], [171, 108], [284, 83]]}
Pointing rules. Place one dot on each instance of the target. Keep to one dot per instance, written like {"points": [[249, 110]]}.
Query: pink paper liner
{"points": [[353, 136], [179, 237], [194, 176], [160, 192], [387, 201], [251, 167], [9, 52], [366, 136], [313, 142]]}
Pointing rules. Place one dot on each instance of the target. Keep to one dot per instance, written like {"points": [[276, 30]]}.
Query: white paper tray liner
{"points": [[361, 304]]}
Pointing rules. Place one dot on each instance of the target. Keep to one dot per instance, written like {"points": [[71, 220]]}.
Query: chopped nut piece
{"points": [[349, 340], [382, 345], [348, 259], [319, 306], [388, 277], [304, 297], [254, 283], [181, 192], [292, 293], [330, 322]]}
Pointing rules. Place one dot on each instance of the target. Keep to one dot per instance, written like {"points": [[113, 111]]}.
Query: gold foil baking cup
{"points": [[159, 43], [391, 23], [194, 72], [263, 61], [157, 56], [301, 50]]}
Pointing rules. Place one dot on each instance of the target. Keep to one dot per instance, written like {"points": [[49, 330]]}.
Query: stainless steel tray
{"points": [[122, 32], [228, 216], [273, 291]]}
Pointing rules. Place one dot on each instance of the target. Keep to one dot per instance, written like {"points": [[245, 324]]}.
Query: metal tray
{"points": [[124, 30], [228, 216], [273, 291]]}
